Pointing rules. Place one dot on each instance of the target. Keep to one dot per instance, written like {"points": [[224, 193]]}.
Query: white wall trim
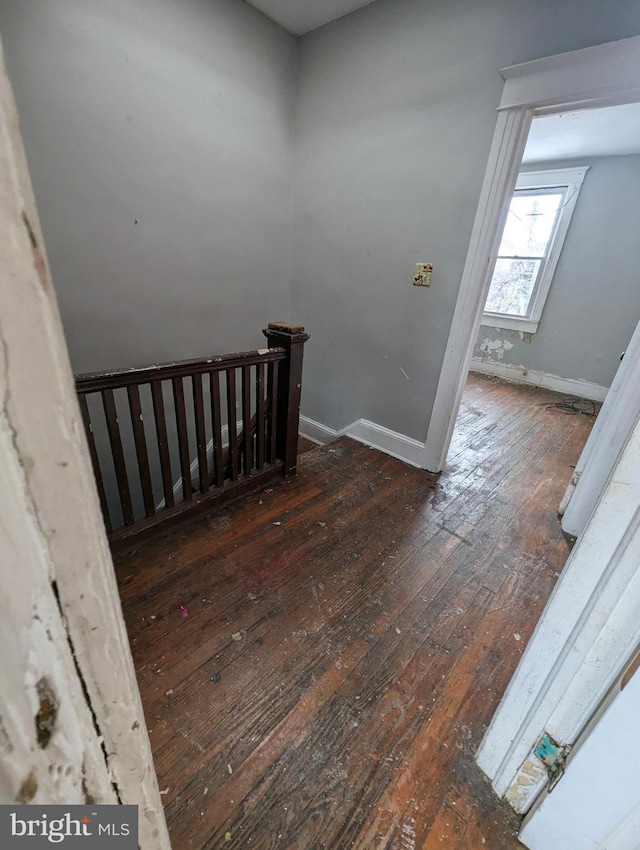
{"points": [[317, 432], [587, 634], [377, 436], [193, 468], [504, 162], [510, 323], [387, 441], [583, 812], [601, 75], [371, 434], [522, 375], [559, 680], [62, 617], [609, 434], [596, 76], [626, 835], [570, 180], [548, 177]]}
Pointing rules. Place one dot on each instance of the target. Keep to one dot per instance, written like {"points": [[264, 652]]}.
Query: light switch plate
{"points": [[422, 274]]}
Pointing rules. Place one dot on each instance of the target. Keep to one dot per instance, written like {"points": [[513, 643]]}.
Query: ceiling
{"points": [[301, 16], [611, 131]]}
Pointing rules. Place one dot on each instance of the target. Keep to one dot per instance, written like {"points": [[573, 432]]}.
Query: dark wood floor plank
{"points": [[291, 541], [320, 623], [350, 633]]}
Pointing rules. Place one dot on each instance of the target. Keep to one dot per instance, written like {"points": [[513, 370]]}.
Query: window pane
{"points": [[511, 286], [529, 224]]}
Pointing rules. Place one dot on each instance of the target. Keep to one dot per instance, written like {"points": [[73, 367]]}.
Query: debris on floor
{"points": [[395, 704], [185, 612]]}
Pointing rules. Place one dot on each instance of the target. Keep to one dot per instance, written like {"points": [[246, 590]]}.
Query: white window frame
{"points": [[570, 181]]}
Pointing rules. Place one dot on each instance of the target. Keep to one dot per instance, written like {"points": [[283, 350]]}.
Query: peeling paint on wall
{"points": [[526, 784], [494, 349]]}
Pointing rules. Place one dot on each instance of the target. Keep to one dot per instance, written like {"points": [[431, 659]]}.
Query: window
{"points": [[536, 225]]}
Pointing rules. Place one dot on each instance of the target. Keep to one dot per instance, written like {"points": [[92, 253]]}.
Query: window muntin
{"points": [[530, 224], [544, 201]]}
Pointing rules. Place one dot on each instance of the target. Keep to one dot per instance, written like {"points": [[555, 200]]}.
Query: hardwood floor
{"points": [[348, 638]]}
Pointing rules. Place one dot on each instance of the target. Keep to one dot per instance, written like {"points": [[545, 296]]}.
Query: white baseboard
{"points": [[193, 469], [390, 442], [317, 432], [405, 448], [377, 436], [568, 386]]}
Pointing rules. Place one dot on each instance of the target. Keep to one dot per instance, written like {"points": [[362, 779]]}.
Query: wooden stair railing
{"points": [[167, 441]]}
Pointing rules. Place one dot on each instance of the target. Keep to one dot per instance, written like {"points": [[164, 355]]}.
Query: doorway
{"points": [[601, 76], [556, 683], [562, 301]]}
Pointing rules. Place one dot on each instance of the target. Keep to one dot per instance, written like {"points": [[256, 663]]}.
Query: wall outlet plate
{"points": [[422, 274]]}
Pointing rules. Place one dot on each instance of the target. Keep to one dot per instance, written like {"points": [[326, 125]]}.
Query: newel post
{"points": [[293, 338]]}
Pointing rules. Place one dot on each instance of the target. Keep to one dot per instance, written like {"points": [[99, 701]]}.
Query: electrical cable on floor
{"points": [[573, 406]]}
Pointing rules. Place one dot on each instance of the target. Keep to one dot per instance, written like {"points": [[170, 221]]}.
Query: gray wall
{"points": [[395, 115], [179, 116], [594, 301]]}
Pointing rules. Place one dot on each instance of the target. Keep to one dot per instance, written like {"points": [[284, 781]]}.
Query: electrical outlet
{"points": [[422, 274]]}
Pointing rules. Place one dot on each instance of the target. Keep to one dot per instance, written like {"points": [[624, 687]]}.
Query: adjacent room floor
{"points": [[318, 661]]}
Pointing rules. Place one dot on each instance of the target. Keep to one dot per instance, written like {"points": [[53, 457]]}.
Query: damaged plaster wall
{"points": [[593, 305], [159, 137], [49, 750], [72, 728]]}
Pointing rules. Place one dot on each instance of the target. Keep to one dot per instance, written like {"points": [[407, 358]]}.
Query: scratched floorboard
{"points": [[349, 636]]}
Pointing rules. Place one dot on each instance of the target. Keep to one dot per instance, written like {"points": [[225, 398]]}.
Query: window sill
{"points": [[511, 323]]}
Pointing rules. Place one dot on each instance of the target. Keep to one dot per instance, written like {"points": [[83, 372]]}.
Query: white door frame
{"points": [[611, 431], [584, 812], [588, 633], [591, 624], [64, 642], [604, 75]]}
